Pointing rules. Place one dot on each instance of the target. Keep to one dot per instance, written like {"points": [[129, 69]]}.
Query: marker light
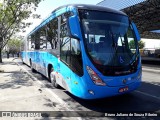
{"points": [[95, 78], [91, 92]]}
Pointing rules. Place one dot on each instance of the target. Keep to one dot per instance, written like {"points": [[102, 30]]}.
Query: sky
{"points": [[47, 6]]}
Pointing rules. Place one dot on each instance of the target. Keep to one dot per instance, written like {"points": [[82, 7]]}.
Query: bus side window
{"points": [[29, 43], [65, 40], [32, 42], [64, 44], [52, 34], [37, 41], [43, 41], [76, 57]]}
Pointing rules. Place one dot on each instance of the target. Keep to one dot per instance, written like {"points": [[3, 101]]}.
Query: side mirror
{"points": [[73, 27], [136, 31]]}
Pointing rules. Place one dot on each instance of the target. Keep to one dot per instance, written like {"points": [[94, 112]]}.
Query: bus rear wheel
{"points": [[32, 69], [52, 78]]}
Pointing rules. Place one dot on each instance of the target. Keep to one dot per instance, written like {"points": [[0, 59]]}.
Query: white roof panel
{"points": [[119, 4]]}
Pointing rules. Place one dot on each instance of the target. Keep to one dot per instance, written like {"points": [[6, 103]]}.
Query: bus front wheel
{"points": [[53, 79]]}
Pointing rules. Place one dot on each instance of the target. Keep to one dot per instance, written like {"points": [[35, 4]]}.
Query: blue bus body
{"points": [[82, 85]]}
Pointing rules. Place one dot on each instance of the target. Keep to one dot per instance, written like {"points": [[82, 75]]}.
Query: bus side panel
{"points": [[64, 75], [78, 85], [43, 60], [48, 58], [25, 57], [38, 61]]}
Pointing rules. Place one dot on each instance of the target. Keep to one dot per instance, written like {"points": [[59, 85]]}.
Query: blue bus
{"points": [[91, 51]]}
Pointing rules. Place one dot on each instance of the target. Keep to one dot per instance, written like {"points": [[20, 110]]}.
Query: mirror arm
{"points": [[136, 31], [72, 27], [69, 31]]}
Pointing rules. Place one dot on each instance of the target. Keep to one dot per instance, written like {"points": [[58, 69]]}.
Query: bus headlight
{"points": [[95, 78]]}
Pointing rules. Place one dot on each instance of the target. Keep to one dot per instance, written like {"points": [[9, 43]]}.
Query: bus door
{"points": [[70, 55], [65, 63], [76, 66], [65, 49], [71, 63]]}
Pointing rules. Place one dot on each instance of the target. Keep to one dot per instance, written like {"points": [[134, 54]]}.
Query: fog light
{"points": [[91, 92]]}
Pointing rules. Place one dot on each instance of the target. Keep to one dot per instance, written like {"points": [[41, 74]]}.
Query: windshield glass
{"points": [[109, 39]]}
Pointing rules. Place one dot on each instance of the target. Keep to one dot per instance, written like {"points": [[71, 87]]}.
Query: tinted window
{"points": [[52, 34], [70, 49], [30, 43], [43, 40], [37, 40], [76, 57], [65, 44]]}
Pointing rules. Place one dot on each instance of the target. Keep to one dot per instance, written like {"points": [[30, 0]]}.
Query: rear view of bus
{"points": [[110, 54]]}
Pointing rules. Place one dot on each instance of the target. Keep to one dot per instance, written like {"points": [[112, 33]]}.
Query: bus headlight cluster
{"points": [[95, 78]]}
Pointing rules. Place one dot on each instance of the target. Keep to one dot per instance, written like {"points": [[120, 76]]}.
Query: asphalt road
{"points": [[144, 99]]}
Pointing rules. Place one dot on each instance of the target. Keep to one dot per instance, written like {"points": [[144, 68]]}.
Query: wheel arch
{"points": [[30, 61], [49, 69]]}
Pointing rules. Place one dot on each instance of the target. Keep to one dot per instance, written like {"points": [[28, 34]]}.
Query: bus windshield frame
{"points": [[110, 41]]}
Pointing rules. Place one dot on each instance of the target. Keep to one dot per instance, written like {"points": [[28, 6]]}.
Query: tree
{"points": [[14, 46], [141, 44], [12, 16]]}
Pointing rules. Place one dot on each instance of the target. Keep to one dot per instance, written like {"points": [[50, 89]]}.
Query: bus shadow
{"points": [[132, 102], [45, 81], [14, 80]]}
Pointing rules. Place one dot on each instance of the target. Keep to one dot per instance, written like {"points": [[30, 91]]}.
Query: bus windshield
{"points": [[109, 39]]}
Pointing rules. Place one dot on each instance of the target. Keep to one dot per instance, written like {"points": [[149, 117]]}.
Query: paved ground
{"points": [[151, 68], [151, 60], [19, 92]]}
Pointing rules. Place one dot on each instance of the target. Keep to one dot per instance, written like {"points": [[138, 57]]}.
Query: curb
{"points": [[35, 79], [61, 101]]}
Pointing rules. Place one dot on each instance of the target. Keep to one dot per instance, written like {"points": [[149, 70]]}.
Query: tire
{"points": [[32, 69], [23, 62], [52, 79]]}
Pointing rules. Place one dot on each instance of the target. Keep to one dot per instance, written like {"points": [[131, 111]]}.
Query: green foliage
{"points": [[12, 16], [141, 44], [14, 46], [132, 44]]}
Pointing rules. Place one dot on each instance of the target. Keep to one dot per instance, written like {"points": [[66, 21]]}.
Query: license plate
{"points": [[124, 89]]}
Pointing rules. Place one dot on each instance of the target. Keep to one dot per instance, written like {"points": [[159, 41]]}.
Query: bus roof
{"points": [[65, 8], [91, 7]]}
